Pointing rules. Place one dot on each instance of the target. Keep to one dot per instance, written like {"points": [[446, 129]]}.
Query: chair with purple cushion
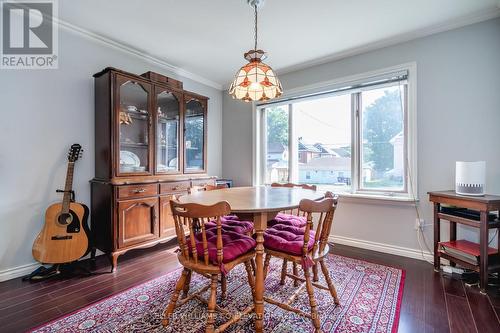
{"points": [[292, 217], [210, 252], [230, 222], [234, 224], [306, 247]]}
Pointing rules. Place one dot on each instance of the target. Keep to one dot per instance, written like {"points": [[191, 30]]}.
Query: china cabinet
{"points": [[150, 145]]}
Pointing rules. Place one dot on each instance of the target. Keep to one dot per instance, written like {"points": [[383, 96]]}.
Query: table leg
{"points": [[453, 237], [483, 255], [260, 225], [498, 239], [437, 231]]}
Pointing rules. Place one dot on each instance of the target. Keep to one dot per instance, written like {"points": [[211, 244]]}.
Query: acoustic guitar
{"points": [[64, 237]]}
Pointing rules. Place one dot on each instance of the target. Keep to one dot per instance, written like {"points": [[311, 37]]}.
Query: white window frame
{"points": [[411, 191]]}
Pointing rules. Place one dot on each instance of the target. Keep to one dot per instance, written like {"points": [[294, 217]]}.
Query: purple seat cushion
{"points": [[288, 219], [288, 239], [232, 223], [234, 245]]}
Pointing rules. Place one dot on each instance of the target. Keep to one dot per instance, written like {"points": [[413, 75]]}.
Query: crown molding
{"points": [[449, 25], [137, 52], [434, 29]]}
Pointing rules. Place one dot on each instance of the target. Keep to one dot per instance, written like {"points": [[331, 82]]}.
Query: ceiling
{"points": [[208, 38]]}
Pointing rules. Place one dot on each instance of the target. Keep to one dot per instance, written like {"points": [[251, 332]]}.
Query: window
{"points": [[277, 145], [382, 138], [323, 138], [351, 138]]}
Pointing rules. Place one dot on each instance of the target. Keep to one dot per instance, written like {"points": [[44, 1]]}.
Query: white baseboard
{"points": [[381, 247], [15, 272]]}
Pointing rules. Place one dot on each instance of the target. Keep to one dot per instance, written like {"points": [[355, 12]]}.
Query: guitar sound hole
{"points": [[65, 218]]}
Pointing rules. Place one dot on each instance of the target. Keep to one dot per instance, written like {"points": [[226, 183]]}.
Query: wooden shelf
{"points": [[136, 115], [165, 146], [165, 120], [481, 219], [135, 112], [463, 263], [493, 266], [134, 145], [466, 247], [462, 220]]}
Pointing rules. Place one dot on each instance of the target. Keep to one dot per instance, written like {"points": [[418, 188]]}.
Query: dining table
{"points": [[258, 204]]}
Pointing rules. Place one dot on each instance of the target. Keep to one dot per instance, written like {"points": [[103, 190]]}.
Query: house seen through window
{"points": [[350, 141]]}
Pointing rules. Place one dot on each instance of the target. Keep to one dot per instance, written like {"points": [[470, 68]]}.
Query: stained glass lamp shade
{"points": [[255, 81]]}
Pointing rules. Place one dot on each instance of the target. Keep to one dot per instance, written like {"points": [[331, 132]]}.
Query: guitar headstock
{"points": [[75, 152]]}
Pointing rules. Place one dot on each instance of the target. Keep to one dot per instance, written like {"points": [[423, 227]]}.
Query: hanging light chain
{"points": [[255, 22], [255, 81]]}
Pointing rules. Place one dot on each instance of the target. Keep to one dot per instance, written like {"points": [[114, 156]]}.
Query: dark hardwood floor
{"points": [[431, 302]]}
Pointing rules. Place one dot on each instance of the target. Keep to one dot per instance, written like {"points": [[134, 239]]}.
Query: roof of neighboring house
{"points": [[342, 152], [324, 150], [396, 137], [332, 150], [303, 146], [275, 148]]}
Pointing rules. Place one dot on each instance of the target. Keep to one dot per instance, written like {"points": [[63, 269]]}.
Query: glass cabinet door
{"points": [[134, 125], [194, 135], [167, 132]]}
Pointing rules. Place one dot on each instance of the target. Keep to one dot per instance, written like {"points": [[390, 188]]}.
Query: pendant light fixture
{"points": [[255, 81]]}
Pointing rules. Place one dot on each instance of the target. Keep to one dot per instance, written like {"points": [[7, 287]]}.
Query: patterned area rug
{"points": [[370, 296]]}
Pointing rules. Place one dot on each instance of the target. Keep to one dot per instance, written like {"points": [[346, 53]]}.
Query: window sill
{"points": [[376, 198]]}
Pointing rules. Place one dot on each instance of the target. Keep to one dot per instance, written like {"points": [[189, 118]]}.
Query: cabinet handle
{"points": [[140, 190]]}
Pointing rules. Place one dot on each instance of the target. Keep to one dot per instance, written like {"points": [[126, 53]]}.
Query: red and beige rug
{"points": [[370, 296]]}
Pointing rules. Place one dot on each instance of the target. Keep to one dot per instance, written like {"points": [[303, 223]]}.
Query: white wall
{"points": [[458, 119], [42, 113]]}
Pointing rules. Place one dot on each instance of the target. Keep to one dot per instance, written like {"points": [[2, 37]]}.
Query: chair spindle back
{"points": [[193, 217], [326, 209], [215, 187], [295, 211], [207, 187]]}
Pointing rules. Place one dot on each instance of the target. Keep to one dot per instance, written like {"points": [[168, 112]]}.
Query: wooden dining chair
{"points": [[305, 247], [293, 212], [209, 187], [296, 218], [229, 222], [211, 253]]}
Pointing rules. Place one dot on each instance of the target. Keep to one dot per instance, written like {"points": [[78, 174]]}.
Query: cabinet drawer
{"points": [[174, 187], [131, 191], [203, 182]]}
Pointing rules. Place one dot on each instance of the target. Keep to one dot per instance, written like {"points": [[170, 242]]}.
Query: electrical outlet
{"points": [[419, 224]]}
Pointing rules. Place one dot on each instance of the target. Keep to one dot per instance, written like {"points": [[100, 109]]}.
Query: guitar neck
{"points": [[67, 187]]}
